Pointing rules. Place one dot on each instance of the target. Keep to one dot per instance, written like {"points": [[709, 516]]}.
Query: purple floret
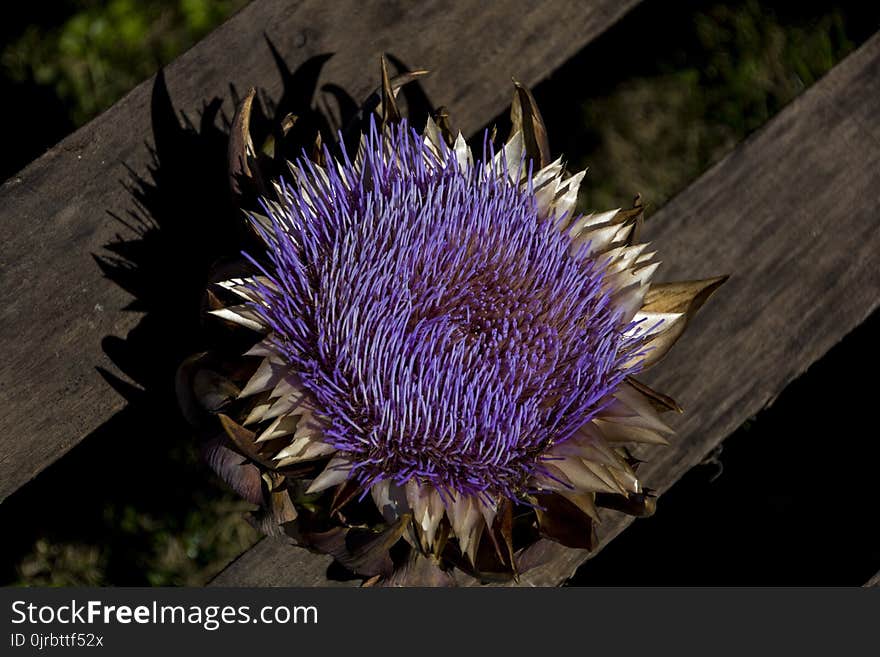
{"points": [[444, 330]]}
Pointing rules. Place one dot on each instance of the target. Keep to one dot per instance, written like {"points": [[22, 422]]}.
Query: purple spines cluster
{"points": [[444, 331]]}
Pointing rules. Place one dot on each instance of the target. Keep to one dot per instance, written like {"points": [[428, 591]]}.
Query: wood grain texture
{"points": [[791, 215], [56, 213], [283, 563]]}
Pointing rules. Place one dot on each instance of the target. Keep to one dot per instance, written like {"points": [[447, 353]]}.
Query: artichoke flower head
{"points": [[440, 353]]}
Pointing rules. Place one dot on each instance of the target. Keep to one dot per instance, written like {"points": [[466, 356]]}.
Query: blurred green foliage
{"points": [[105, 48], [672, 101], [647, 107]]}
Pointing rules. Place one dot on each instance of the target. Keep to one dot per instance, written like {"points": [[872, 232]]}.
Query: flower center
{"points": [[501, 320]]}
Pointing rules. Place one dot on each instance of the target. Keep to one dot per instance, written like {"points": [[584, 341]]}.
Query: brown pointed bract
{"points": [[241, 153], [658, 400], [390, 112], [526, 118], [564, 522], [683, 296]]}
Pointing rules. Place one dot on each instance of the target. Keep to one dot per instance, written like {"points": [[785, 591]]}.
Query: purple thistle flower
{"points": [[445, 330], [450, 338]]}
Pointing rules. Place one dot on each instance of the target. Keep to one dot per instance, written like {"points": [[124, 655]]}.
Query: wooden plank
{"points": [[56, 213], [281, 563], [790, 214]]}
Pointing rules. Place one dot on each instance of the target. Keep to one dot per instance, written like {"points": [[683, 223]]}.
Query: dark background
{"points": [[792, 497]]}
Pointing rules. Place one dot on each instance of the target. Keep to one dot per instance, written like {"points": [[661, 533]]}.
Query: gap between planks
{"points": [[789, 214], [56, 212]]}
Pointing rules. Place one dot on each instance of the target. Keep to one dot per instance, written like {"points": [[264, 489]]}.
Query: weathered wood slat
{"points": [[56, 213], [791, 215]]}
